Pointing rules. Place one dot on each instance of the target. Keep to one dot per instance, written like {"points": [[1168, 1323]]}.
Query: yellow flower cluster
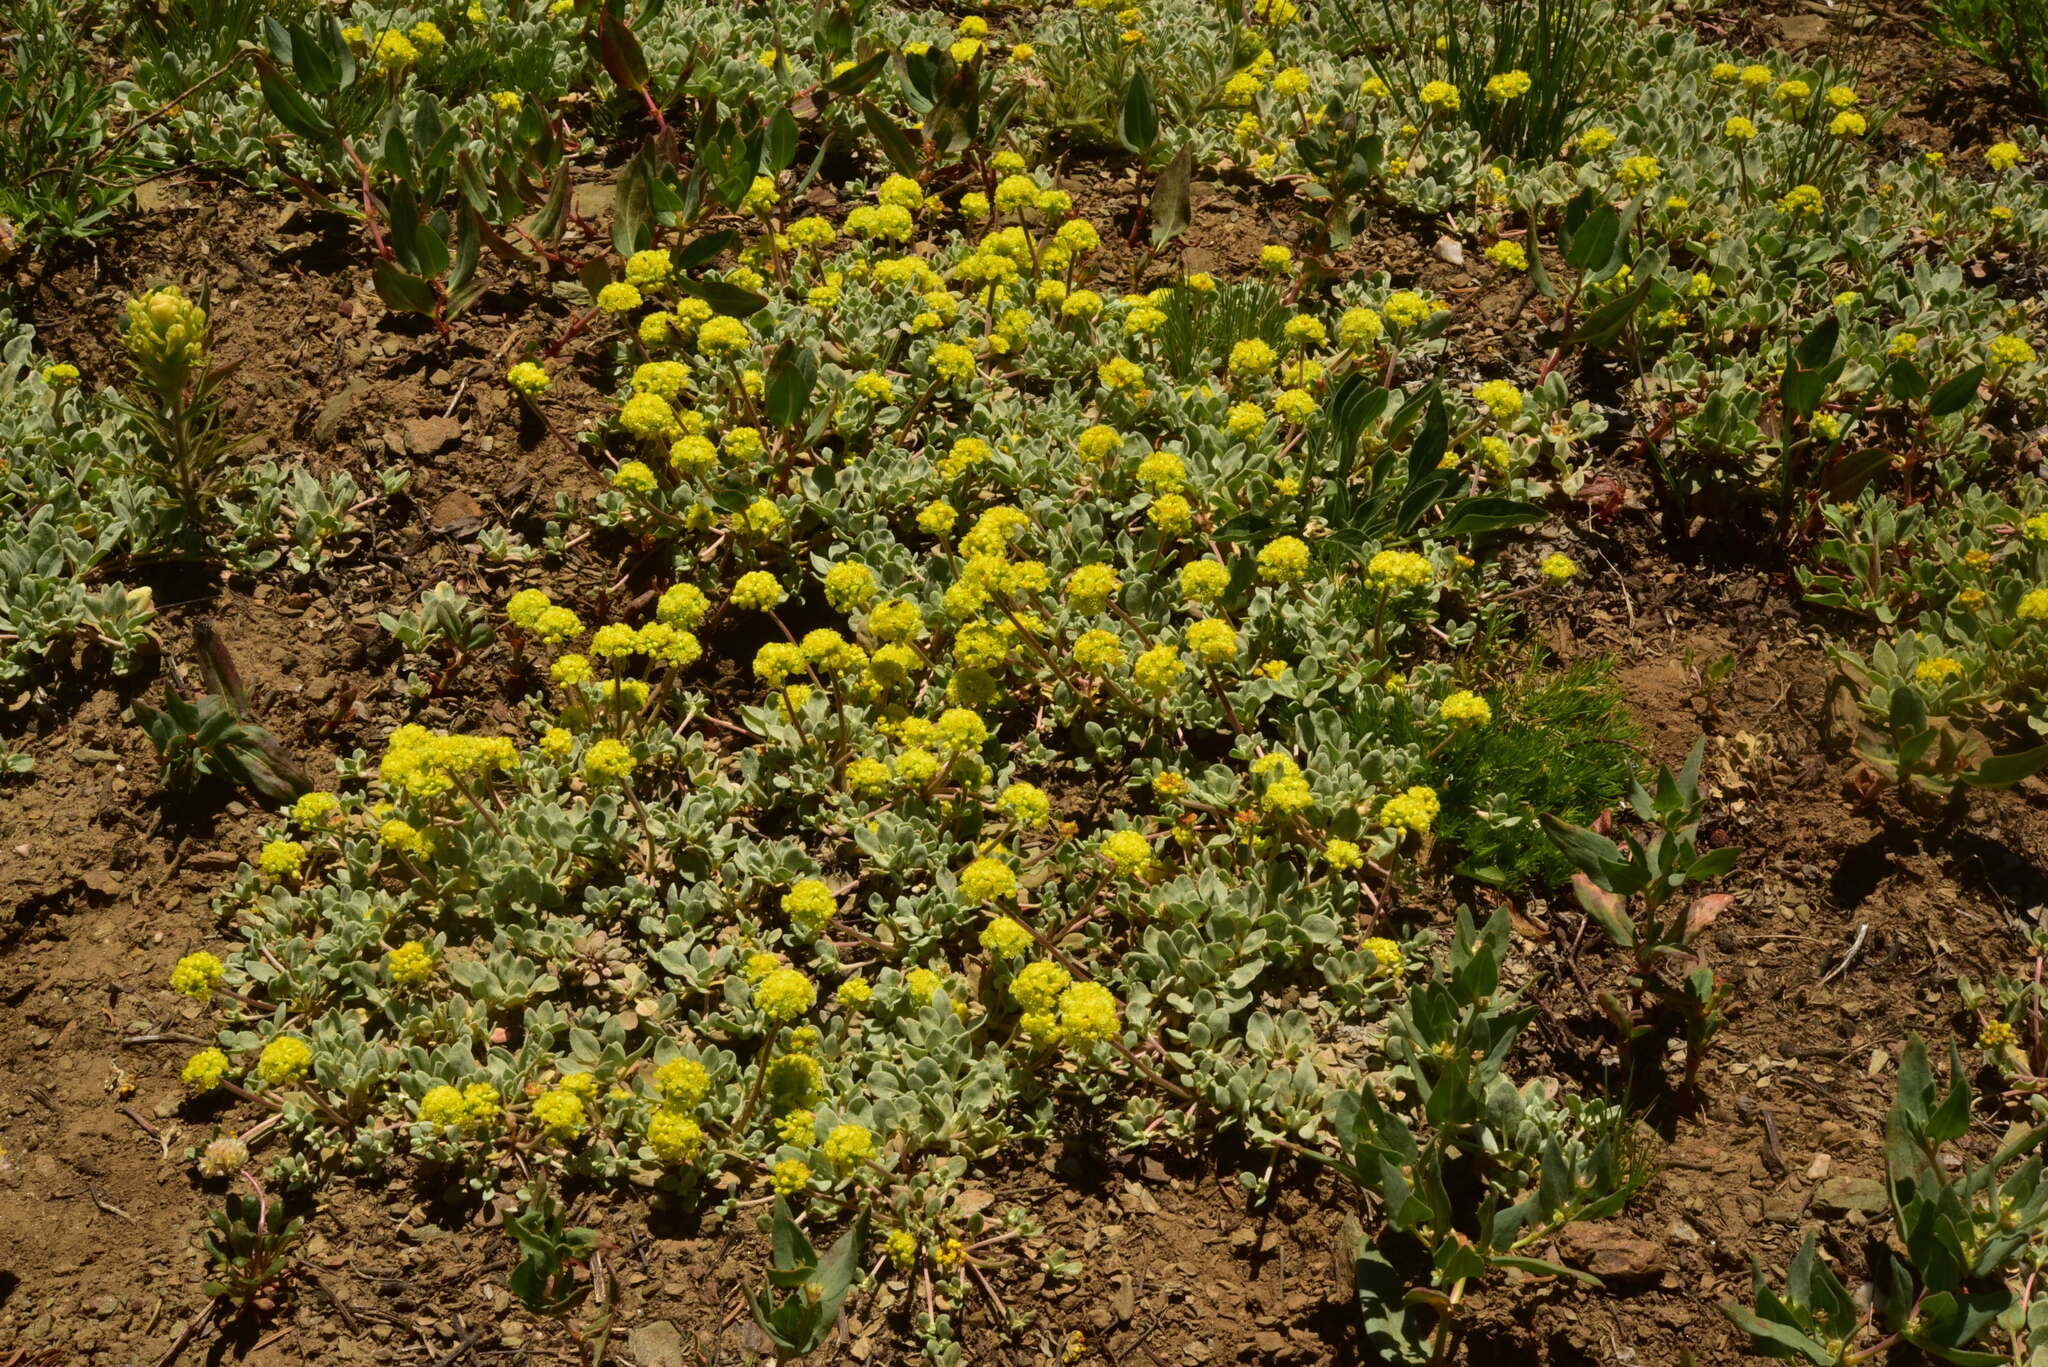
{"points": [[785, 994], [561, 1115], [1399, 571], [810, 906], [475, 1107], [1007, 938], [673, 1136], [197, 975], [409, 965], [987, 880], [282, 860], [848, 1146], [422, 764], [1464, 708], [204, 1070], [1415, 810], [284, 1060]]}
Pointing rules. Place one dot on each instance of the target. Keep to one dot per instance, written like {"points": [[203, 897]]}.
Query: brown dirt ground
{"points": [[105, 880]]}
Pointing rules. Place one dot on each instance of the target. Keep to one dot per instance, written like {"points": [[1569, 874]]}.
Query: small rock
{"points": [[456, 511], [1840, 1195], [655, 1345], [336, 408], [1802, 30], [431, 436], [1784, 1209], [105, 882], [1611, 1252], [1124, 1298]]}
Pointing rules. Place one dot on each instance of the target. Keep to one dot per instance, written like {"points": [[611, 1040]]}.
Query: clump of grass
{"points": [[1560, 742]]}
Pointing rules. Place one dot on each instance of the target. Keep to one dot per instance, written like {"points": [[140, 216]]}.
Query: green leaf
{"points": [[1488, 513], [344, 55], [1713, 864], [1391, 1330], [1609, 909], [402, 291], [217, 665], [894, 142], [2002, 771], [1587, 849], [546, 223], [292, 109], [1914, 1096], [1171, 208], [1432, 439], [1137, 121], [954, 121], [1849, 475], [1607, 321], [1951, 1119], [1812, 367], [1950, 1323], [620, 52], [704, 250], [1956, 394], [468, 248], [317, 66], [1817, 348], [1905, 381], [1538, 275], [430, 250], [1769, 1332], [1908, 712], [278, 39], [632, 206], [852, 82], [792, 1250], [792, 373], [726, 298], [779, 149], [732, 160], [1538, 1267], [1590, 247]]}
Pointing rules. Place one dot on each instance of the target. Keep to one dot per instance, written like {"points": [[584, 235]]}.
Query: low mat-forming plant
{"points": [[840, 937]]}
